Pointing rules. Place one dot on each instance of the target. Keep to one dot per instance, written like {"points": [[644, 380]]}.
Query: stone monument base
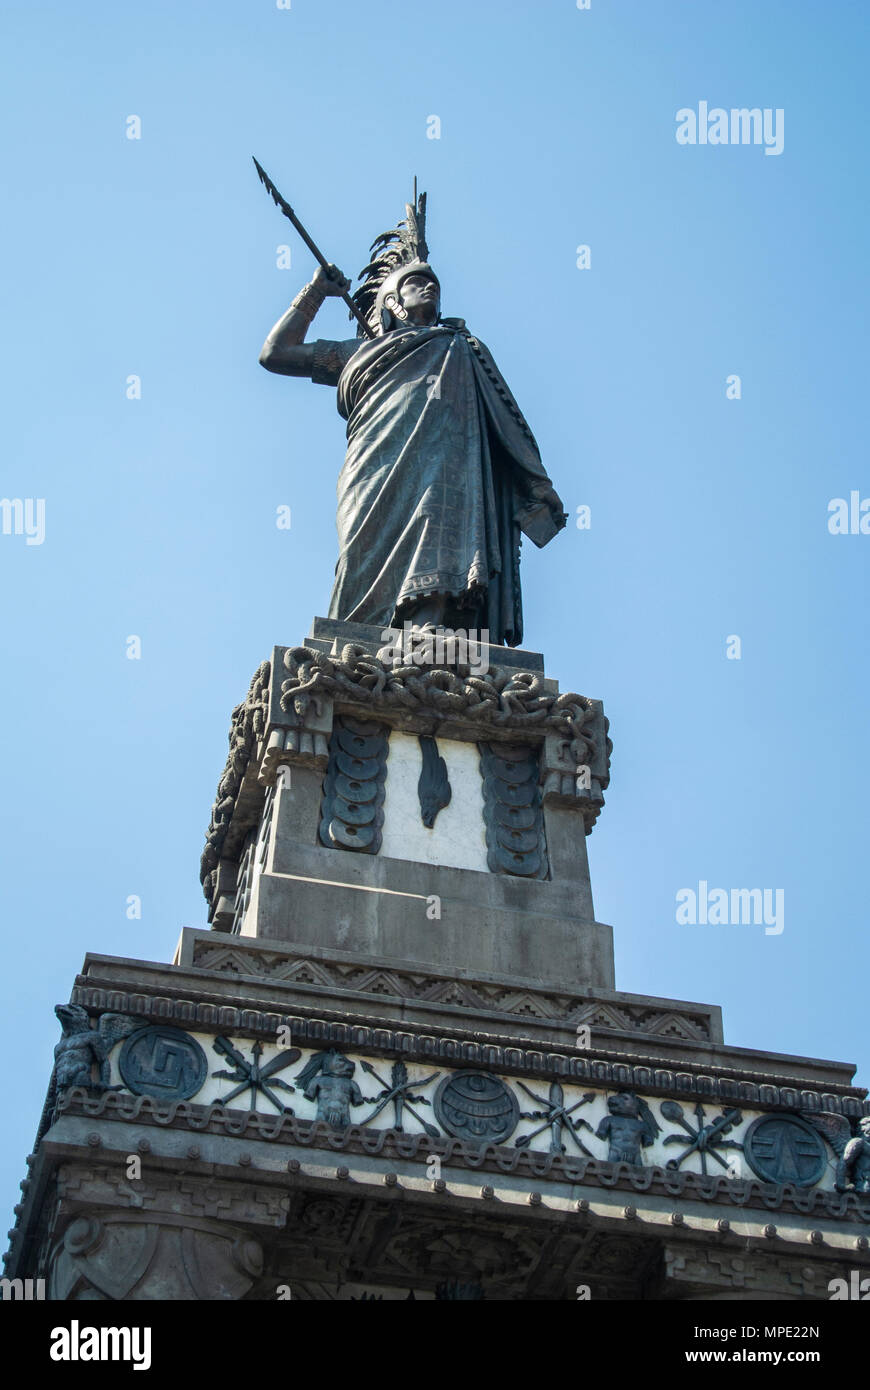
{"points": [[397, 1064]]}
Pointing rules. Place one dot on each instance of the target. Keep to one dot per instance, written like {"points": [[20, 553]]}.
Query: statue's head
{"points": [[72, 1018], [411, 296], [334, 1064], [398, 288], [625, 1104]]}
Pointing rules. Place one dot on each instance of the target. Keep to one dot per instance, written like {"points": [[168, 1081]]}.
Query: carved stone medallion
{"points": [[782, 1148], [477, 1107], [163, 1062]]}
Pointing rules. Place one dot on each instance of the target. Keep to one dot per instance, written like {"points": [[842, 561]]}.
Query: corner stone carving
{"points": [[107, 1258], [247, 726], [298, 733], [83, 1048], [575, 767], [169, 1235], [853, 1151]]}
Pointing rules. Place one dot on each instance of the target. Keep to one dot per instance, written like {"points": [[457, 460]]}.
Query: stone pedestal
{"points": [[397, 1061], [499, 882]]}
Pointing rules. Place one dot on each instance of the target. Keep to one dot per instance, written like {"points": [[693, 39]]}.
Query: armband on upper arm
{"points": [[330, 359]]}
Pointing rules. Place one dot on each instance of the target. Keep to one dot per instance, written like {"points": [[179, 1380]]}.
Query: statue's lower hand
{"points": [[330, 281], [546, 493]]}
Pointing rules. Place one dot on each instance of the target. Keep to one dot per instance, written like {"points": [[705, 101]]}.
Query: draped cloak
{"points": [[441, 475]]}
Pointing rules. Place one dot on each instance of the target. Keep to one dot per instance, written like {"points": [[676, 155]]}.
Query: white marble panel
{"points": [[458, 837]]}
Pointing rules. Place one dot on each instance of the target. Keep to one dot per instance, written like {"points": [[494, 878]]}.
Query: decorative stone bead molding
{"points": [[473, 1104], [352, 814], [512, 810], [251, 1179], [477, 1102], [308, 747]]}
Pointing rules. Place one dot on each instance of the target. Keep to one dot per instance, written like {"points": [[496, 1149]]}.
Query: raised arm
{"points": [[285, 349]]}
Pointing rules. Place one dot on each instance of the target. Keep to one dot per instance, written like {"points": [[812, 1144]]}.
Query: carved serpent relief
{"points": [[247, 725], [495, 703], [509, 699]]}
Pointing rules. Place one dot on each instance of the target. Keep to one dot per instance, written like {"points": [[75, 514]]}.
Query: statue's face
{"points": [[336, 1065], [421, 299], [622, 1104]]}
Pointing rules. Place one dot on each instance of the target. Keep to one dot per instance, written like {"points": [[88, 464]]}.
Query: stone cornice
{"points": [[326, 1028], [510, 700], [456, 1155], [491, 999]]}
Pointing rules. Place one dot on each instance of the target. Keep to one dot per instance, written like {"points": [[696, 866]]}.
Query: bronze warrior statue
{"points": [[442, 473]]}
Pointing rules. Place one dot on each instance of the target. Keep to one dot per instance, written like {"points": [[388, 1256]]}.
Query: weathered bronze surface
{"points": [[442, 473]]}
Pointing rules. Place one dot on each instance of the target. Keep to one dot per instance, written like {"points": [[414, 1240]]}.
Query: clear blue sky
{"points": [[709, 517]]}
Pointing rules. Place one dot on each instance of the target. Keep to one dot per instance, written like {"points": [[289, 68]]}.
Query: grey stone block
{"points": [[529, 929], [326, 631], [485, 936], [566, 850], [297, 813]]}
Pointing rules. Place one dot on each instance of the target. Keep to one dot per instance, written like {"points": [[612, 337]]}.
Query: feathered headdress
{"points": [[397, 250]]}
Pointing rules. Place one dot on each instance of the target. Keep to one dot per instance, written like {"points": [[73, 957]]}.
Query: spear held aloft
{"points": [[315, 250]]}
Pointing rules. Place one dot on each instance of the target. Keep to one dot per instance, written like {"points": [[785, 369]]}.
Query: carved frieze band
{"points": [[415, 1043], [466, 992], [473, 1111], [490, 1151]]}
